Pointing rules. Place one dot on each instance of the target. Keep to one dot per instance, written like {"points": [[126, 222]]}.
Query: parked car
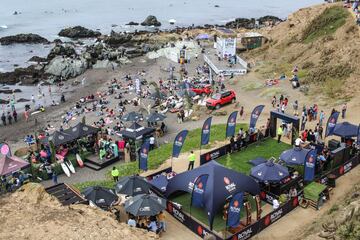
{"points": [[219, 99], [203, 89]]}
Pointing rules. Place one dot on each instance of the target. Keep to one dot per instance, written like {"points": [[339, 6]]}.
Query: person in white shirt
{"points": [[276, 204], [131, 222], [298, 142], [152, 142]]}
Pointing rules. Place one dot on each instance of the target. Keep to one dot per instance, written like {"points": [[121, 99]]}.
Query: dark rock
{"points": [[269, 20], [57, 41], [26, 76], [9, 91], [114, 25], [2, 101], [116, 39], [132, 23], [23, 38], [241, 23], [151, 21], [37, 59], [217, 6], [78, 32], [23, 100], [66, 50]]}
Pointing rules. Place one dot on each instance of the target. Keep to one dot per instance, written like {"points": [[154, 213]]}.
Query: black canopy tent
{"points": [[81, 130], [136, 132]]}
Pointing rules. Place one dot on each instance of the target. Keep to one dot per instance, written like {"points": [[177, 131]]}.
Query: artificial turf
{"points": [[239, 161]]}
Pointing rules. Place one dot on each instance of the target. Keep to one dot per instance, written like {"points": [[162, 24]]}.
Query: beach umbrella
{"points": [[160, 182], [346, 130], [132, 185], [257, 161], [145, 205], [158, 95], [202, 36], [269, 172], [155, 117], [101, 197], [295, 156], [132, 117]]}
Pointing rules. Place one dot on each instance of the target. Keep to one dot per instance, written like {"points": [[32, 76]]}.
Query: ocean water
{"points": [[48, 17]]}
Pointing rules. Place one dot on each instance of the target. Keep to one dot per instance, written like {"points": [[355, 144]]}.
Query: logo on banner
{"points": [[311, 162], [176, 213], [341, 170], [206, 129], [199, 188], [230, 186], [208, 157], [231, 122], [295, 202], [273, 217], [235, 208], [201, 231], [243, 235], [144, 153], [256, 114], [347, 167], [178, 142]]}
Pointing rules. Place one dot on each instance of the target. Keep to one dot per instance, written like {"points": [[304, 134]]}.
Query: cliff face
{"points": [[323, 41], [31, 213]]}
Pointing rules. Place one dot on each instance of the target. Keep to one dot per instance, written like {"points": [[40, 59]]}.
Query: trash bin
{"points": [[331, 180]]}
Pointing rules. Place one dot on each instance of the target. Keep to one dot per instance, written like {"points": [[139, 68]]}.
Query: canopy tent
{"points": [[221, 184], [81, 130], [269, 172], [59, 138], [295, 156], [132, 117], [10, 164], [101, 197], [346, 130], [132, 185], [158, 95], [155, 117], [136, 131], [257, 161], [160, 182]]}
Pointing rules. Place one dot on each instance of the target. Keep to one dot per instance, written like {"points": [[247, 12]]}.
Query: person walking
{"points": [[273, 101], [9, 117], [279, 133], [54, 178], [191, 159], [296, 107], [343, 111], [152, 142], [3, 119], [321, 117], [242, 113], [115, 174], [14, 115]]}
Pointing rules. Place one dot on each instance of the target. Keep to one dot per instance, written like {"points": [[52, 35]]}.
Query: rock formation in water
{"points": [[23, 38], [151, 21], [78, 32]]}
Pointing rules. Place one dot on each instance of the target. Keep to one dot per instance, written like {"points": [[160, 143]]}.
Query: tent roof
{"points": [[345, 129], [59, 138], [221, 184], [295, 156], [81, 130], [9, 164], [136, 131]]}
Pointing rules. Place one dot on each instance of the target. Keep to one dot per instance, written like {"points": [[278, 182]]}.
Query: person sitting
{"points": [[152, 226], [299, 142], [131, 222]]}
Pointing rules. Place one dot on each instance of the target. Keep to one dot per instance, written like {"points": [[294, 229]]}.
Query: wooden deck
{"points": [[65, 194], [94, 162]]}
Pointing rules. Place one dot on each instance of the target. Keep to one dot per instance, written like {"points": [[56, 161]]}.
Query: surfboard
{"points": [[79, 160], [36, 112], [70, 166], [65, 169]]}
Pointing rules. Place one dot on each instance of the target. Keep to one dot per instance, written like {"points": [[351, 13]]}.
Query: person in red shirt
{"points": [[304, 135]]}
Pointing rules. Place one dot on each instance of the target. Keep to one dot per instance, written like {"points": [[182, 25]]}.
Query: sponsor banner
{"points": [[143, 156], [331, 123], [231, 124], [196, 227], [268, 197], [205, 132], [255, 115], [246, 233], [198, 191], [310, 162], [5, 149], [339, 171], [233, 218], [215, 154], [179, 142]]}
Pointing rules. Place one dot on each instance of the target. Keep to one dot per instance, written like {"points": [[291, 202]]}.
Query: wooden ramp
{"points": [[93, 161], [65, 194]]}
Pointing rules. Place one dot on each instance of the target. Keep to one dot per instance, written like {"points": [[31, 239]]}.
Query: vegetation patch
{"points": [[325, 24]]}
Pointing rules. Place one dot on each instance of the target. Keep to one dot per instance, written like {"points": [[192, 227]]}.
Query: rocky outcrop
{"points": [[26, 76], [132, 23], [269, 20], [23, 100], [116, 39], [66, 67], [2, 101], [241, 23], [151, 21], [23, 38], [9, 91], [66, 50], [37, 59], [78, 32]]}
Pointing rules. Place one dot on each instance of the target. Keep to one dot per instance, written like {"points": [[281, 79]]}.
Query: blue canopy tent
{"points": [[257, 161], [269, 172], [346, 130], [160, 182], [221, 184], [202, 36], [295, 156]]}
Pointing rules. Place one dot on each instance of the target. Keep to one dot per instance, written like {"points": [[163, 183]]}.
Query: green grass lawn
{"points": [[200, 213], [162, 153], [240, 161]]}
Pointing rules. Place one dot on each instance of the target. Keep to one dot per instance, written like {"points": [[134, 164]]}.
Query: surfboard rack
{"points": [[66, 194]]}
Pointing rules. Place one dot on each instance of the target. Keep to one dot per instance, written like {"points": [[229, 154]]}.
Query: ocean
{"points": [[48, 17]]}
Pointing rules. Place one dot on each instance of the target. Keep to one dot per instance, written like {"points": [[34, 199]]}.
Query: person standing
{"points": [[161, 220], [242, 113], [273, 101], [152, 142], [321, 117], [3, 119], [14, 115], [9, 117], [343, 110], [115, 174], [296, 107], [279, 133], [191, 159], [54, 178]]}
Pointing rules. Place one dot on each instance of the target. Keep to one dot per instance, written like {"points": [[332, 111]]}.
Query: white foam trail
{"points": [[4, 27]]}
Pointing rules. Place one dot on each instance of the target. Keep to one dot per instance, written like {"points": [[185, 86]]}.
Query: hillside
{"points": [[323, 41], [31, 213]]}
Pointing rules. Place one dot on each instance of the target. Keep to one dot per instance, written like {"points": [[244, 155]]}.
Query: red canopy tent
{"points": [[10, 164]]}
